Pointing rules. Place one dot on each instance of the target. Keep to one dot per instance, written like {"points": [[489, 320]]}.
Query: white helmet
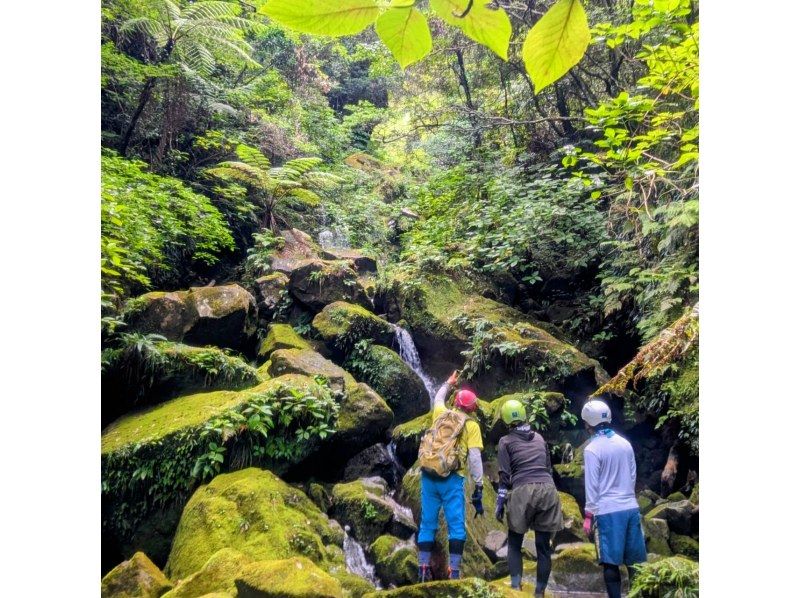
{"points": [[595, 412]]}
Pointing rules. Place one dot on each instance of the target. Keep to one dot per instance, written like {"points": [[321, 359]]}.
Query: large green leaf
{"points": [[405, 32], [323, 17], [488, 27], [556, 43]]}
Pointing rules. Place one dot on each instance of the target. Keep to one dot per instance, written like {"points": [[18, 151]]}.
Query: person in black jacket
{"points": [[526, 485]]}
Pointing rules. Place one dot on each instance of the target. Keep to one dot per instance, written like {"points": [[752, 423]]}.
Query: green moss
{"points": [[281, 336], [137, 577], [361, 506], [395, 560], [694, 497], [462, 588], [353, 586], [254, 512], [342, 324], [656, 535], [289, 578], [685, 545], [676, 497], [573, 521], [414, 428], [309, 363], [217, 575], [364, 416]]}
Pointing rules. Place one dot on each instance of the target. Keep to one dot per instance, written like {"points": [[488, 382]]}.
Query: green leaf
{"points": [[405, 32], [323, 17], [556, 43], [488, 27]]}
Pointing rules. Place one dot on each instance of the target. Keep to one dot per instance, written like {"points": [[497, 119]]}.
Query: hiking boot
{"points": [[453, 574], [425, 574]]}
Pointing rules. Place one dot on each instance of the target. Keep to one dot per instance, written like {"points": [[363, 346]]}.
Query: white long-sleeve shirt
{"points": [[609, 474]]}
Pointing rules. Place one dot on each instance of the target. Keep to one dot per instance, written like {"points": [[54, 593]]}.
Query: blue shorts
{"points": [[620, 539], [447, 494]]}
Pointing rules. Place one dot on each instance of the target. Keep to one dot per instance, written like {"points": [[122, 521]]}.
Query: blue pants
{"points": [[620, 538], [438, 493]]}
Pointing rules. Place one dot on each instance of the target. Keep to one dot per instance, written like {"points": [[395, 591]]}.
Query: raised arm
{"points": [[441, 394]]}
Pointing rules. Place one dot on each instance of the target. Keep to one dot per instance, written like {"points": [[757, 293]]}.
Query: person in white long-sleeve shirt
{"points": [[610, 481]]}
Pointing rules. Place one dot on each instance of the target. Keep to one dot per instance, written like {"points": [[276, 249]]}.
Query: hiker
{"points": [[611, 513], [527, 492], [451, 446]]}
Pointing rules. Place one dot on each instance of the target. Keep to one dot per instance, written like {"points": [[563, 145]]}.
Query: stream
{"points": [[409, 354]]}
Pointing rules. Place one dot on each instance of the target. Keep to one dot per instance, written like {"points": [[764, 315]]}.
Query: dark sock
{"points": [[613, 580], [515, 556], [543, 562]]}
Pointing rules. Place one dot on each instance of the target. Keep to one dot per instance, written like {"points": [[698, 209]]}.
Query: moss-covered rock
{"points": [[576, 567], [367, 508], [544, 402], [270, 289], [218, 574], [309, 363], [167, 314], [252, 511], [342, 324], [137, 577], [296, 577], [395, 560], [573, 521], [316, 283], [386, 372], [694, 497], [361, 263], [645, 503], [680, 516], [569, 476], [452, 589], [136, 376], [656, 536], [295, 247], [281, 336], [353, 586], [685, 545], [364, 418]]}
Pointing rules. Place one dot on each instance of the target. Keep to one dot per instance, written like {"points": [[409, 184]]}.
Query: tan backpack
{"points": [[439, 452]]}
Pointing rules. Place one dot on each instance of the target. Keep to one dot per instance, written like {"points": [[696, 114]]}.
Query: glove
{"points": [[587, 524], [477, 500], [501, 504]]}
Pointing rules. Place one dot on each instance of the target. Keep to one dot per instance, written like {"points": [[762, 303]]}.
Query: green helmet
{"points": [[513, 412]]}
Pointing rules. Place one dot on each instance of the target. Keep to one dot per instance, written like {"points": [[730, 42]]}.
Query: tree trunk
{"points": [[143, 99]]}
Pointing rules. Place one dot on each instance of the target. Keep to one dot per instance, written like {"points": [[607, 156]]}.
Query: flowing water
{"points": [[408, 353], [356, 560]]}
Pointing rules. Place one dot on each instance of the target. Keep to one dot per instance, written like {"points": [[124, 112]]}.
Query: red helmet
{"points": [[466, 400]]}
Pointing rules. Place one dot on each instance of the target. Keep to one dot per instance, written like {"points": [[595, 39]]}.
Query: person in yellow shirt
{"points": [[448, 493]]}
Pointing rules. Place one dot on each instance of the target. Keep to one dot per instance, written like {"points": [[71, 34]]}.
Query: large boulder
{"points": [[296, 577], [364, 418], [308, 363], [576, 567], [297, 246], [252, 511], [224, 316], [316, 283], [375, 460], [569, 476], [281, 336], [367, 508], [270, 291], [386, 372], [341, 325], [361, 263], [137, 577], [573, 521], [395, 560], [681, 516], [685, 545], [218, 574], [656, 536], [454, 589]]}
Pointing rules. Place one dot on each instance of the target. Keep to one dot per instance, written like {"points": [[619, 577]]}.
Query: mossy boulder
{"points": [[375, 460], [218, 574], [442, 315], [569, 476], [656, 536], [573, 521], [309, 363], [681, 516], [685, 545], [395, 560], [361, 263], [353, 586], [296, 247], [167, 314], [367, 508], [694, 497], [341, 325], [364, 418], [315, 283], [576, 567], [252, 511], [296, 577], [386, 372], [136, 377], [475, 560], [281, 336], [137, 577], [452, 589], [270, 289], [552, 402]]}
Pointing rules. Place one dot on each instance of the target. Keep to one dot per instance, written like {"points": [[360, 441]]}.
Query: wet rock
{"points": [[254, 512], [137, 577], [296, 577], [365, 505], [493, 542], [395, 560], [342, 324], [316, 283], [573, 521], [656, 536], [281, 336], [681, 516], [270, 289], [375, 460], [357, 260], [569, 476]]}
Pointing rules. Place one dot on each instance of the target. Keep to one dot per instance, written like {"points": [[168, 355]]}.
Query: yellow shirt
{"points": [[470, 437]]}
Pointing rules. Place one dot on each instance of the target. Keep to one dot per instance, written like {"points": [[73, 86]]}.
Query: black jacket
{"points": [[523, 458]]}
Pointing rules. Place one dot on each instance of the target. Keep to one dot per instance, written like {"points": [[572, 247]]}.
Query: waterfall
{"points": [[408, 353], [356, 560], [331, 239]]}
